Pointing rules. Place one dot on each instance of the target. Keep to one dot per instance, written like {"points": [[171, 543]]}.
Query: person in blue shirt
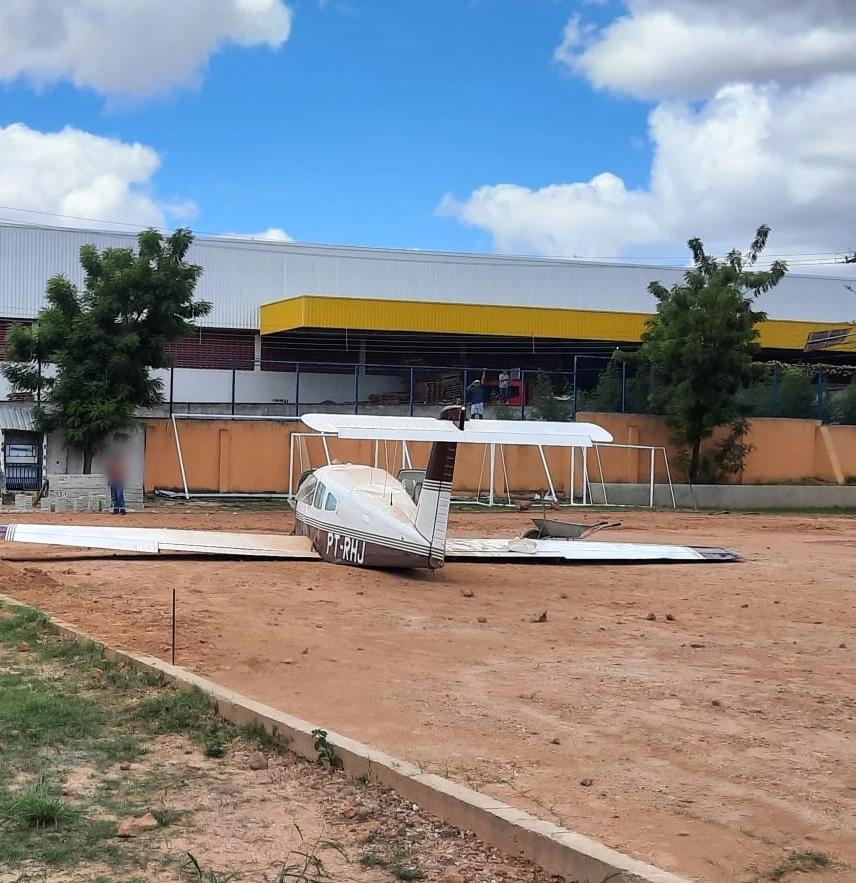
{"points": [[476, 396]]}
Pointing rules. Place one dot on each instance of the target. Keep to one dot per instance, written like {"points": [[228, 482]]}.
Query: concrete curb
{"points": [[515, 832]]}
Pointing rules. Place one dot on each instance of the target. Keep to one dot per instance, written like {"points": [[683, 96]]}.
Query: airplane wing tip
{"points": [[583, 552]]}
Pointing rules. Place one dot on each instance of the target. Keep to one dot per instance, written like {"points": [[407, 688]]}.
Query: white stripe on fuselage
{"points": [[366, 536]]}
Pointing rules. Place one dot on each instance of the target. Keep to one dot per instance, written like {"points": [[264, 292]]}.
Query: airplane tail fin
{"points": [[435, 498]]}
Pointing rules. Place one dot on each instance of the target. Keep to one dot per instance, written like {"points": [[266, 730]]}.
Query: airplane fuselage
{"points": [[363, 517]]}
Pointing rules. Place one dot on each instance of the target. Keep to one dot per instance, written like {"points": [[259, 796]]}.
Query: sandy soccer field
{"points": [[701, 717]]}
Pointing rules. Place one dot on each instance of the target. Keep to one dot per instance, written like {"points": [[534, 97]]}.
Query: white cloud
{"points": [[130, 47], [771, 141], [561, 219], [75, 178], [690, 48], [272, 234]]}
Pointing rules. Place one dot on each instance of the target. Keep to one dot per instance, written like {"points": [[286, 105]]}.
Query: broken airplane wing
{"points": [[582, 551], [153, 541]]}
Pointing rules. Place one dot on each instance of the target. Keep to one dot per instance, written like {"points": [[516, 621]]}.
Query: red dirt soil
{"points": [[712, 743]]}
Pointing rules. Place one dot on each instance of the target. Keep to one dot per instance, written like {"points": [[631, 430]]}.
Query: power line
{"points": [[801, 259]]}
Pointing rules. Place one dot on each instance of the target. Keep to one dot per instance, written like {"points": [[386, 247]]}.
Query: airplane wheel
{"points": [[532, 534]]}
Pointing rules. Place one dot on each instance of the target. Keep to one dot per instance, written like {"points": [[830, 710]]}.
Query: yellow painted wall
{"points": [[424, 317], [253, 456]]}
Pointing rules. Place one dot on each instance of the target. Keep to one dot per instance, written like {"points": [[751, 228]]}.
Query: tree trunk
{"points": [[695, 461], [87, 462]]}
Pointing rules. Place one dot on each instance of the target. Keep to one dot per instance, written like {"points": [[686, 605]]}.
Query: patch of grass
{"points": [[406, 871], [800, 862], [305, 865], [88, 840], [37, 717], [167, 817], [57, 715], [25, 624], [400, 863], [120, 748], [374, 860], [173, 711], [137, 795], [38, 806], [191, 869], [214, 746], [259, 736]]}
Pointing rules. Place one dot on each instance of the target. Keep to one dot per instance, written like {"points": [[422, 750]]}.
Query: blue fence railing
{"points": [[594, 383]]}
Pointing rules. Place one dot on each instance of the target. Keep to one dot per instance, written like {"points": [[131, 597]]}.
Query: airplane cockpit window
{"points": [[319, 495], [331, 503], [307, 490]]}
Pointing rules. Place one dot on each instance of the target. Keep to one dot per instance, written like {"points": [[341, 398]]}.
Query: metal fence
{"points": [[22, 477], [594, 383]]}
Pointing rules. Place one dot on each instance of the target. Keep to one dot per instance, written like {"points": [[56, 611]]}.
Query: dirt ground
{"points": [[113, 776], [712, 740]]}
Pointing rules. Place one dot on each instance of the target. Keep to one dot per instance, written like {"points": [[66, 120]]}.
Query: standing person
{"points": [[116, 480], [503, 386], [475, 396]]}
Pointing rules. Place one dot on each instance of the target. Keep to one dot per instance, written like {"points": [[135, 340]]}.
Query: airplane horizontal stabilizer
{"points": [[570, 434]]}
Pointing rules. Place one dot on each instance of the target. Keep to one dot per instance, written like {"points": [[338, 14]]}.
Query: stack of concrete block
{"points": [[134, 496], [23, 502], [88, 493]]}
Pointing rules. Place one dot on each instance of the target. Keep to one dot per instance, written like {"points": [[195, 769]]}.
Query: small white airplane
{"points": [[364, 517]]}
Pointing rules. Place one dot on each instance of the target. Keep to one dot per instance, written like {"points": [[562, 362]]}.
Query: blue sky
{"points": [[536, 126]]}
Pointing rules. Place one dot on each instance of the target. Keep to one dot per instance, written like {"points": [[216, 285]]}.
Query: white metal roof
{"points": [[241, 274]]}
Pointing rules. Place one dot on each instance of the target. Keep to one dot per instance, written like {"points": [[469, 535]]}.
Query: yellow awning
{"points": [[372, 314]]}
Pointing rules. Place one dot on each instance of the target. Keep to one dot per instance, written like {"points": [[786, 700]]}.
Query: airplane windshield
{"points": [[307, 490], [331, 503]]}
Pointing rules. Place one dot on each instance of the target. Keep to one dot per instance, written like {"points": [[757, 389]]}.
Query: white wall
{"points": [[241, 275], [5, 388], [212, 385], [204, 386], [63, 459]]}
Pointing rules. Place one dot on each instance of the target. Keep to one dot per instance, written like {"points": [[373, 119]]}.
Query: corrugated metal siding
{"points": [[236, 279], [240, 276], [16, 417]]}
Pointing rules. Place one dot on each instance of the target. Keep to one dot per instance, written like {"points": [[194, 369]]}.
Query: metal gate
{"points": [[23, 465]]}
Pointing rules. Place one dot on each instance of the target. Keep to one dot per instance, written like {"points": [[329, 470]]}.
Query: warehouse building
{"points": [[294, 326], [279, 304]]}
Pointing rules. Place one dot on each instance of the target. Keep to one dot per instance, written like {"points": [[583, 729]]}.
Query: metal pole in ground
{"points": [[173, 626]]}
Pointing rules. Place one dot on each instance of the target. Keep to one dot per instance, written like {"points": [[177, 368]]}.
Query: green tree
{"points": [[701, 343], [784, 391], [843, 405], [546, 405], [618, 390], [105, 339]]}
